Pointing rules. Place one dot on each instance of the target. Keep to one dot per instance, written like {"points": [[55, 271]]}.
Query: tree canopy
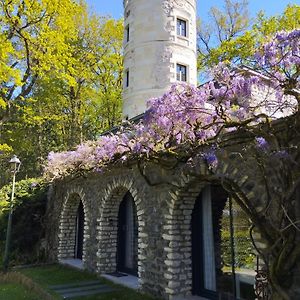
{"points": [[231, 36], [60, 77]]}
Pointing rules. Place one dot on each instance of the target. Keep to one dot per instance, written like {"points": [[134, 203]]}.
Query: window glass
{"points": [[181, 27], [181, 72], [127, 79], [127, 34]]}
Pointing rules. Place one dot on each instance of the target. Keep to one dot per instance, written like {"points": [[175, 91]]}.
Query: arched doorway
{"points": [[216, 261], [127, 240], [79, 231], [73, 226]]}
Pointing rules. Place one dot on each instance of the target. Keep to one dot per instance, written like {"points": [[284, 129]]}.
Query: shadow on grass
{"points": [[58, 274]]}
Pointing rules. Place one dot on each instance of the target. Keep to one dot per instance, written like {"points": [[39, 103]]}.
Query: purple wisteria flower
{"points": [[282, 154], [261, 143], [211, 158], [188, 116]]}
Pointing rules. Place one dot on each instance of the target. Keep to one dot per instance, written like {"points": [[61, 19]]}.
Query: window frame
{"points": [[181, 31], [181, 76]]}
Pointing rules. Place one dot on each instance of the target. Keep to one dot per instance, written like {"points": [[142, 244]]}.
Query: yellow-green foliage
{"points": [[5, 153], [24, 189], [36, 36], [60, 77], [241, 45], [5, 149], [289, 20]]}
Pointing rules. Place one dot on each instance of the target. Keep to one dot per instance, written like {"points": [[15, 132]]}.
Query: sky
{"points": [[114, 8]]}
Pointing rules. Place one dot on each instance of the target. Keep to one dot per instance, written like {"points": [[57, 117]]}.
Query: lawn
{"points": [[56, 275], [11, 291]]}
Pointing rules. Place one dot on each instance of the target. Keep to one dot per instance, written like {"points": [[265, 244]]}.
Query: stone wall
{"points": [[164, 216], [101, 196], [164, 199]]}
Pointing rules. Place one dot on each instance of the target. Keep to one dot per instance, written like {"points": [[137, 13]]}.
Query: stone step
{"points": [[117, 274], [81, 289], [74, 284], [102, 290]]}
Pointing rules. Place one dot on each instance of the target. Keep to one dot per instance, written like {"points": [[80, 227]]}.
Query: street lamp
{"points": [[15, 164]]}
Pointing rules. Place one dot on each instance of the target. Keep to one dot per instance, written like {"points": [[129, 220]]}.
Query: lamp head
{"points": [[15, 163]]}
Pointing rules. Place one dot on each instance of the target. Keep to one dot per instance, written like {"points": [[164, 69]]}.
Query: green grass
{"points": [[11, 291], [56, 274]]}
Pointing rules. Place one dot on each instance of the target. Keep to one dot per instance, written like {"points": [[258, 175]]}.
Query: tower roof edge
{"points": [[171, 2]]}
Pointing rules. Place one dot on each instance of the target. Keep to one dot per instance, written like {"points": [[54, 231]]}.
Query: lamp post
{"points": [[15, 163]]}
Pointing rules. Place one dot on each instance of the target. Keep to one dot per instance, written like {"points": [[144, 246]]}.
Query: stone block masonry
{"points": [[164, 204]]}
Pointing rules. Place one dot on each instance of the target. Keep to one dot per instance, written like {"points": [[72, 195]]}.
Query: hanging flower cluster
{"points": [[280, 61], [187, 116]]}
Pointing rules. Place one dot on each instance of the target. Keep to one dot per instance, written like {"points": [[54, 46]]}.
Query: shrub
{"points": [[28, 228]]}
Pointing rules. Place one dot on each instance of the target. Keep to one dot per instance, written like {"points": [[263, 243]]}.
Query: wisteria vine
{"points": [[187, 116]]}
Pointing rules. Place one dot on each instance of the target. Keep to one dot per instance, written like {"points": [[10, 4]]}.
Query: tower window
{"points": [[127, 78], [127, 37], [181, 27], [181, 72]]}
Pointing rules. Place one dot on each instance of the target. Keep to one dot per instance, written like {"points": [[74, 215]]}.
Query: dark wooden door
{"points": [[79, 231], [127, 248]]}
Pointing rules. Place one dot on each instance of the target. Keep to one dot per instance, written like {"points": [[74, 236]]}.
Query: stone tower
{"points": [[159, 49]]}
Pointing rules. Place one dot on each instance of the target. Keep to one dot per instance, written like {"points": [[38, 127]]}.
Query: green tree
{"points": [[91, 101], [61, 77], [229, 37], [34, 41], [5, 152], [224, 25]]}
